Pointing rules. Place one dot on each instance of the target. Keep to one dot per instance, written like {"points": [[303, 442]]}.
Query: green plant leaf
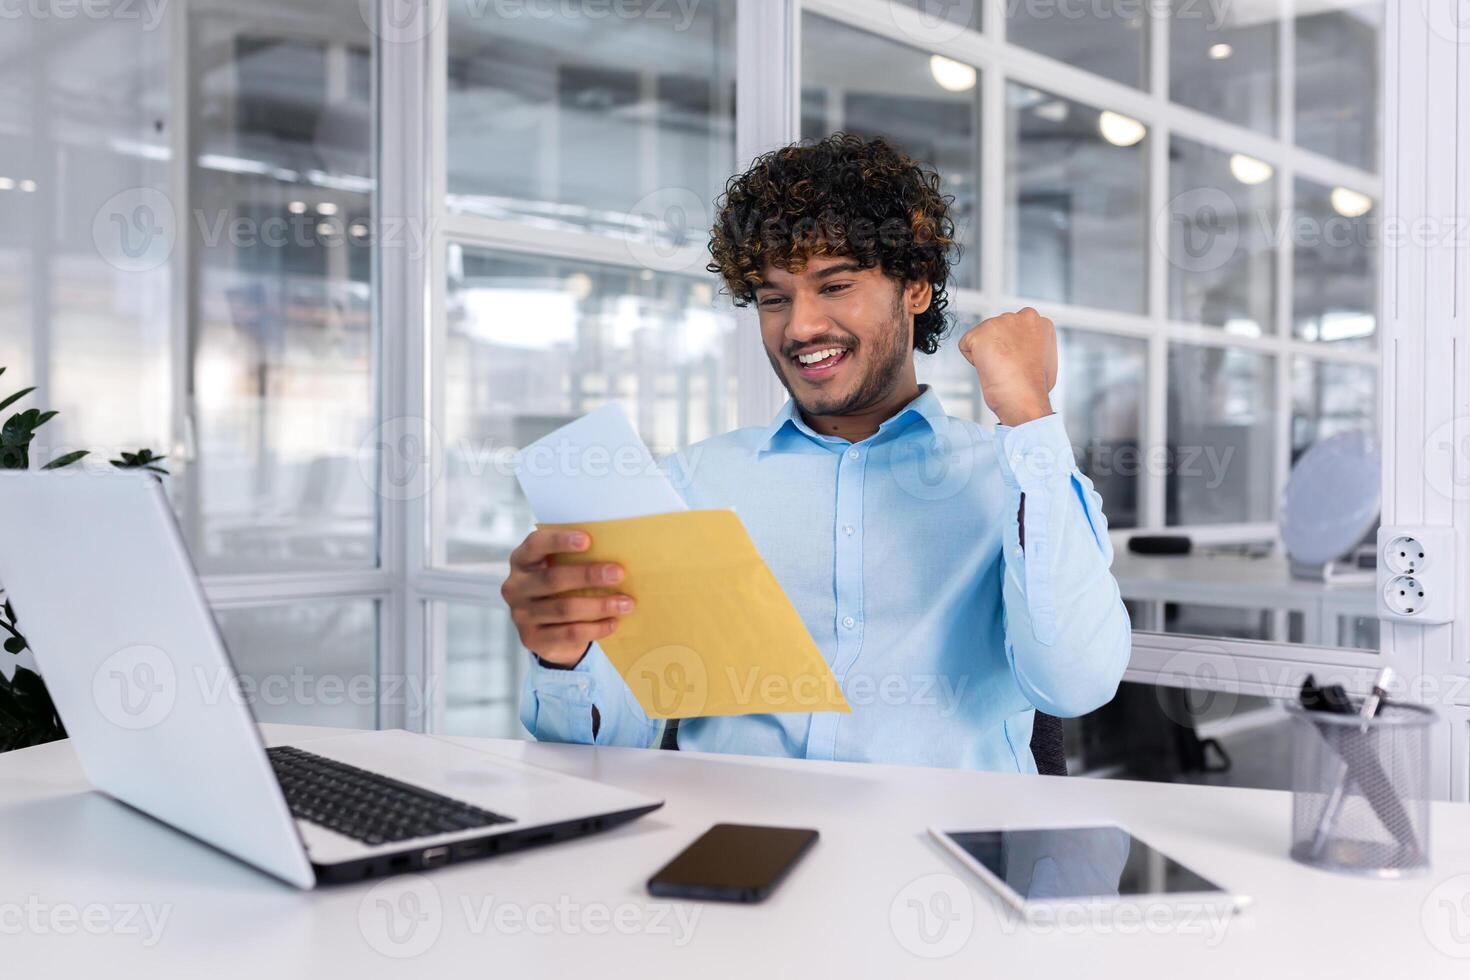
{"points": [[17, 428], [16, 397], [66, 460], [27, 715], [142, 459]]}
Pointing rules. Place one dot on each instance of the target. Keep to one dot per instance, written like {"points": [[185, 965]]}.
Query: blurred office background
{"points": [[193, 252]]}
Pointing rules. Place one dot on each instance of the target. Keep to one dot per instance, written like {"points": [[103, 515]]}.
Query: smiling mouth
{"points": [[821, 362]]}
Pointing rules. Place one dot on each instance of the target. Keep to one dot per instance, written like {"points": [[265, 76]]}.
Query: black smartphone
{"points": [[733, 862]]}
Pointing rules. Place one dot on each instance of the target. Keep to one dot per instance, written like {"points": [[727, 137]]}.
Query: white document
{"points": [[594, 469]]}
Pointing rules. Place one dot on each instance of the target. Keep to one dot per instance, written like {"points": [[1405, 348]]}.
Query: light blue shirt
{"points": [[903, 555]]}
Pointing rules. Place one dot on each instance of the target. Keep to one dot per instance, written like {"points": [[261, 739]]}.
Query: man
{"points": [[955, 580]]}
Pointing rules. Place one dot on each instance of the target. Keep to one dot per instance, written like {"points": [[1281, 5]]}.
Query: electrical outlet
{"points": [[1404, 554], [1404, 594], [1416, 574]]}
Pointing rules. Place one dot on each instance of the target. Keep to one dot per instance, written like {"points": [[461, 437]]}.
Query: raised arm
{"points": [[1067, 634]]}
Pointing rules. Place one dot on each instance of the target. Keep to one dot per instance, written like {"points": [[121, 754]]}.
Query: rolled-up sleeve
{"points": [[1068, 636], [556, 705]]}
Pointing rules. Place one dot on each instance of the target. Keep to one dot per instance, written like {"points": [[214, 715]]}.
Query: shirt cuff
{"points": [[1035, 454], [557, 703]]}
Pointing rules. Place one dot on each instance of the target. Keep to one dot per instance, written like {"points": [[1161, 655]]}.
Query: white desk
{"points": [[64, 846], [1236, 581]]}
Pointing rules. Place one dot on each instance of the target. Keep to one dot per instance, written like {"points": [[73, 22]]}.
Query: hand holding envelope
{"points": [[711, 633]]}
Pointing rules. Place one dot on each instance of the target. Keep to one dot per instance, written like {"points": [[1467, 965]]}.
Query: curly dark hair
{"points": [[840, 195]]}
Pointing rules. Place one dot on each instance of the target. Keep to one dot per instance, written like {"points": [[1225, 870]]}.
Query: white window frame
{"points": [[381, 584], [768, 80]]}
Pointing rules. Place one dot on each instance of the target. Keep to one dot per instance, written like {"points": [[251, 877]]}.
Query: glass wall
{"points": [[605, 137], [1076, 194], [570, 122], [854, 82], [533, 343], [189, 263], [187, 235], [1209, 257], [280, 393], [87, 229]]}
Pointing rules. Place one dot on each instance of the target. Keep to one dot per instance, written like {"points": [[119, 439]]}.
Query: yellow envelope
{"points": [[712, 632]]}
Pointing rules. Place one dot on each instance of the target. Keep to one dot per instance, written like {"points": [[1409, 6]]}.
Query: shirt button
{"points": [[847, 529], [853, 454], [848, 622]]}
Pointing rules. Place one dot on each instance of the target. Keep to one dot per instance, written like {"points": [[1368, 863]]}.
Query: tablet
{"points": [[1050, 872]]}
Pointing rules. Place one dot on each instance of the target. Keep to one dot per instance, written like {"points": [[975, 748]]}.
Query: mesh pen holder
{"points": [[1360, 790]]}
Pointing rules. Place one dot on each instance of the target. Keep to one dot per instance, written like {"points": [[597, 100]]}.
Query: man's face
{"points": [[839, 336]]}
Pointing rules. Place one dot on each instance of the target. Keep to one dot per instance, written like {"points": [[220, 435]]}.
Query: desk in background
{"points": [[1236, 581]]}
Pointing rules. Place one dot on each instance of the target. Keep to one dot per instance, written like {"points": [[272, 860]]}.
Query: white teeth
{"points": [[820, 355]]}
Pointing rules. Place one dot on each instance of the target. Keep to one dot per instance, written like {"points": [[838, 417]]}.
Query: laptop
{"points": [[104, 590]]}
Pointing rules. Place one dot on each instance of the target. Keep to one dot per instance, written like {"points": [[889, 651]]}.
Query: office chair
{"points": [[1046, 743]]}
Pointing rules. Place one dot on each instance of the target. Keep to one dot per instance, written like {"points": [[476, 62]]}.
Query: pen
{"points": [[1334, 802]]}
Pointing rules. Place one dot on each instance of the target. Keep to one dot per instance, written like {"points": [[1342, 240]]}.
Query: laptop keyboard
{"points": [[365, 805]]}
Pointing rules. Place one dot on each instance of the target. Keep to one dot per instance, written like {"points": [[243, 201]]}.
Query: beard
{"points": [[886, 358]]}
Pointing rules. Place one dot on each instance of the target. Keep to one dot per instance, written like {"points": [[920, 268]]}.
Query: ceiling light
{"points": [[1350, 204], [951, 75], [579, 284], [29, 186], [1219, 52], [1249, 170], [326, 208], [1120, 130], [297, 207], [326, 229], [7, 183]]}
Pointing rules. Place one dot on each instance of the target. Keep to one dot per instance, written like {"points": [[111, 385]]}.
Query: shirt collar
{"points": [[924, 408]]}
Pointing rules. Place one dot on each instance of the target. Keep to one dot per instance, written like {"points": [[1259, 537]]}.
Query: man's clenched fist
{"points": [[1015, 355]]}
